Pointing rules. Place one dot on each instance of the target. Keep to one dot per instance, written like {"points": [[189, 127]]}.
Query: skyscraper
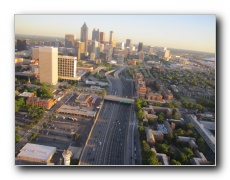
{"points": [[48, 64], [69, 40], [150, 49], [102, 37], [96, 35], [84, 36], [140, 46], [67, 66], [111, 37], [128, 42]]}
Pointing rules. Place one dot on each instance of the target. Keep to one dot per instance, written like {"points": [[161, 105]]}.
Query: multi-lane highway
{"points": [[111, 141]]}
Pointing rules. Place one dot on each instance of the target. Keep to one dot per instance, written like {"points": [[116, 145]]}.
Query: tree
{"points": [[179, 132], [161, 117], [151, 121], [201, 144], [185, 103], [169, 137], [145, 123], [190, 105], [176, 115], [188, 152], [189, 126], [175, 162], [183, 159], [20, 103], [17, 138], [162, 148], [44, 124], [18, 128], [76, 136], [140, 114]]}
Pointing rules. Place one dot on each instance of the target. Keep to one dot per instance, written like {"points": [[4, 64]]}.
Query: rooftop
{"points": [[36, 151]]}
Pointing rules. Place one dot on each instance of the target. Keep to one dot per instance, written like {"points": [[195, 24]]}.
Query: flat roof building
{"points": [[67, 67], [48, 65], [36, 153]]}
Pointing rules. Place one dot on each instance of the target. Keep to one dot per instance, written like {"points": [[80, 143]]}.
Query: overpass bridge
{"points": [[119, 99]]}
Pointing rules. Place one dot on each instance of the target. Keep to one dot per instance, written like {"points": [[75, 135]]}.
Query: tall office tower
{"points": [[102, 37], [80, 49], [35, 53], [48, 64], [140, 46], [114, 43], [84, 36], [67, 66], [165, 48], [111, 37], [150, 49], [167, 55], [21, 45], [57, 43], [128, 42], [96, 48], [122, 45], [102, 47], [69, 41], [96, 35], [66, 155]]}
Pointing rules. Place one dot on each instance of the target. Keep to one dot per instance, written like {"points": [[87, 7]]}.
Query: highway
{"points": [[111, 141]]}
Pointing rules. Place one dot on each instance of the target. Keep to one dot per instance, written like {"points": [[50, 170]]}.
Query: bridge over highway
{"points": [[119, 99]]}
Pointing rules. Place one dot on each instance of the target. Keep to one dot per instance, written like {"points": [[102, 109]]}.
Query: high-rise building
{"points": [[69, 40], [114, 43], [102, 37], [122, 45], [21, 45], [84, 36], [57, 43], [111, 37], [128, 42], [167, 54], [140, 46], [67, 66], [48, 64], [35, 53], [96, 35], [150, 49]]}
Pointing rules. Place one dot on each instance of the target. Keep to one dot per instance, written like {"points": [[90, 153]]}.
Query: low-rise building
{"points": [[163, 158], [85, 69], [26, 95], [36, 153], [149, 136], [83, 99], [200, 159], [40, 102]]}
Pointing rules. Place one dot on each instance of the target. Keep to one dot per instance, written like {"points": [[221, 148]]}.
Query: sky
{"points": [[191, 32]]}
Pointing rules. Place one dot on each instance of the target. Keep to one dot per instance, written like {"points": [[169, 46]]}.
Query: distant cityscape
{"points": [[88, 100]]}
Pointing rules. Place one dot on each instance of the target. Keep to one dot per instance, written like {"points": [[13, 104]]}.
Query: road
{"points": [[112, 139], [38, 126]]}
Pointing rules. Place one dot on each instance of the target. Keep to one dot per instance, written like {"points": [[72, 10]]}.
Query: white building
{"points": [[67, 67], [48, 64], [36, 153], [66, 155]]}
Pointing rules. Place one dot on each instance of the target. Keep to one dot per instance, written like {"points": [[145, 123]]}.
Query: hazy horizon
{"points": [[188, 32]]}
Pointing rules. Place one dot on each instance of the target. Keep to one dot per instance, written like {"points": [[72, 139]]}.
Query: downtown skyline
{"points": [[190, 32]]}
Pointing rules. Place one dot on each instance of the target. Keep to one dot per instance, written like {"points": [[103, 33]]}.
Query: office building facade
{"points": [[96, 35], [140, 46], [128, 42], [111, 37], [69, 41], [84, 36], [67, 67], [102, 37], [48, 64]]}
